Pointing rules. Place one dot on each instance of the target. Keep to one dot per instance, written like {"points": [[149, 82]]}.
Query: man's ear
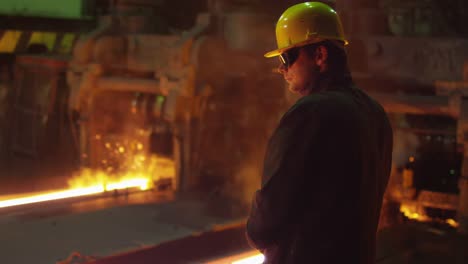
{"points": [[321, 57]]}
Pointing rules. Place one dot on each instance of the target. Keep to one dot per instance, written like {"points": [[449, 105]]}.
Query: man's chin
{"points": [[298, 91]]}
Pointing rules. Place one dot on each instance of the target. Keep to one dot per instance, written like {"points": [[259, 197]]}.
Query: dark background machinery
{"points": [[187, 80]]}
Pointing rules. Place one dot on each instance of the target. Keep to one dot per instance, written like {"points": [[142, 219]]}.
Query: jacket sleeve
{"points": [[280, 200]]}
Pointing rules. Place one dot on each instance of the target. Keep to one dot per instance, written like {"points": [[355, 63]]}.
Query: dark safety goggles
{"points": [[288, 57]]}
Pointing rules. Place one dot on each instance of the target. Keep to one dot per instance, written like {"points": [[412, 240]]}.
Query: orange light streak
{"points": [[51, 196], [257, 259], [138, 170], [141, 183], [250, 257]]}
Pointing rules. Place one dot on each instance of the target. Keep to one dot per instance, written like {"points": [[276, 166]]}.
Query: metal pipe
{"points": [[416, 104], [119, 84]]}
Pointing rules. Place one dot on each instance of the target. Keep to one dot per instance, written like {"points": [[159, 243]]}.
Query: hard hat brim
{"points": [[273, 53], [277, 52]]}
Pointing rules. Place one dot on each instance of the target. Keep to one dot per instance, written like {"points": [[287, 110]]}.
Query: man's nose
{"points": [[282, 69]]}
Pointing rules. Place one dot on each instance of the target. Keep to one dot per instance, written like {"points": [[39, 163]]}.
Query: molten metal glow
{"points": [[140, 172], [126, 165], [250, 257], [51, 196], [257, 259], [415, 212], [142, 184], [452, 223]]}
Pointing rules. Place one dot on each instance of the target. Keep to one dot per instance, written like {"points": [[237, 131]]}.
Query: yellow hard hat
{"points": [[307, 23]]}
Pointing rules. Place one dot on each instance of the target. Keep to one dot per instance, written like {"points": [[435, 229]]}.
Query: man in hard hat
{"points": [[328, 162]]}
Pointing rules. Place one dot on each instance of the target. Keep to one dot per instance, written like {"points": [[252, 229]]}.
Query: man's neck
{"points": [[333, 81]]}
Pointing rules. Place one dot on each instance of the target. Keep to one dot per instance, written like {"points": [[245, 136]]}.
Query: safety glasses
{"points": [[288, 57]]}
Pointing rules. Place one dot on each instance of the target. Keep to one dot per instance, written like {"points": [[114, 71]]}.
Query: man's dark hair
{"points": [[337, 59]]}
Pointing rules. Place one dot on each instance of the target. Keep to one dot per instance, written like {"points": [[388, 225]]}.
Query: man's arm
{"points": [[280, 201]]}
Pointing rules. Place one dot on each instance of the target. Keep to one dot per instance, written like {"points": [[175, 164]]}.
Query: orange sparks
{"points": [[91, 182]]}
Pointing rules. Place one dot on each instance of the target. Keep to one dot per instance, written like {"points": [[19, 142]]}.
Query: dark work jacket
{"points": [[325, 172]]}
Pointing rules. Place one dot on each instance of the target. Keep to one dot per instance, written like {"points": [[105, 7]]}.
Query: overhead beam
{"points": [[27, 23]]}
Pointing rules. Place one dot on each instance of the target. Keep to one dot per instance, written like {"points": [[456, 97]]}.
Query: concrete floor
{"points": [[109, 226], [50, 235]]}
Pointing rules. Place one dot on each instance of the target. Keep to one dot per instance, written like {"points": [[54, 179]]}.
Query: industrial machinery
{"points": [[186, 104], [193, 95], [130, 95], [410, 56], [204, 98]]}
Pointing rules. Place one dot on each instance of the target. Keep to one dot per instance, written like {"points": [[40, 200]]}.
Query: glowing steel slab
{"points": [[251, 257], [142, 184], [257, 259]]}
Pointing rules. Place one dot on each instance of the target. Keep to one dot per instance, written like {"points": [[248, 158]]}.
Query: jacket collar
{"points": [[331, 81]]}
